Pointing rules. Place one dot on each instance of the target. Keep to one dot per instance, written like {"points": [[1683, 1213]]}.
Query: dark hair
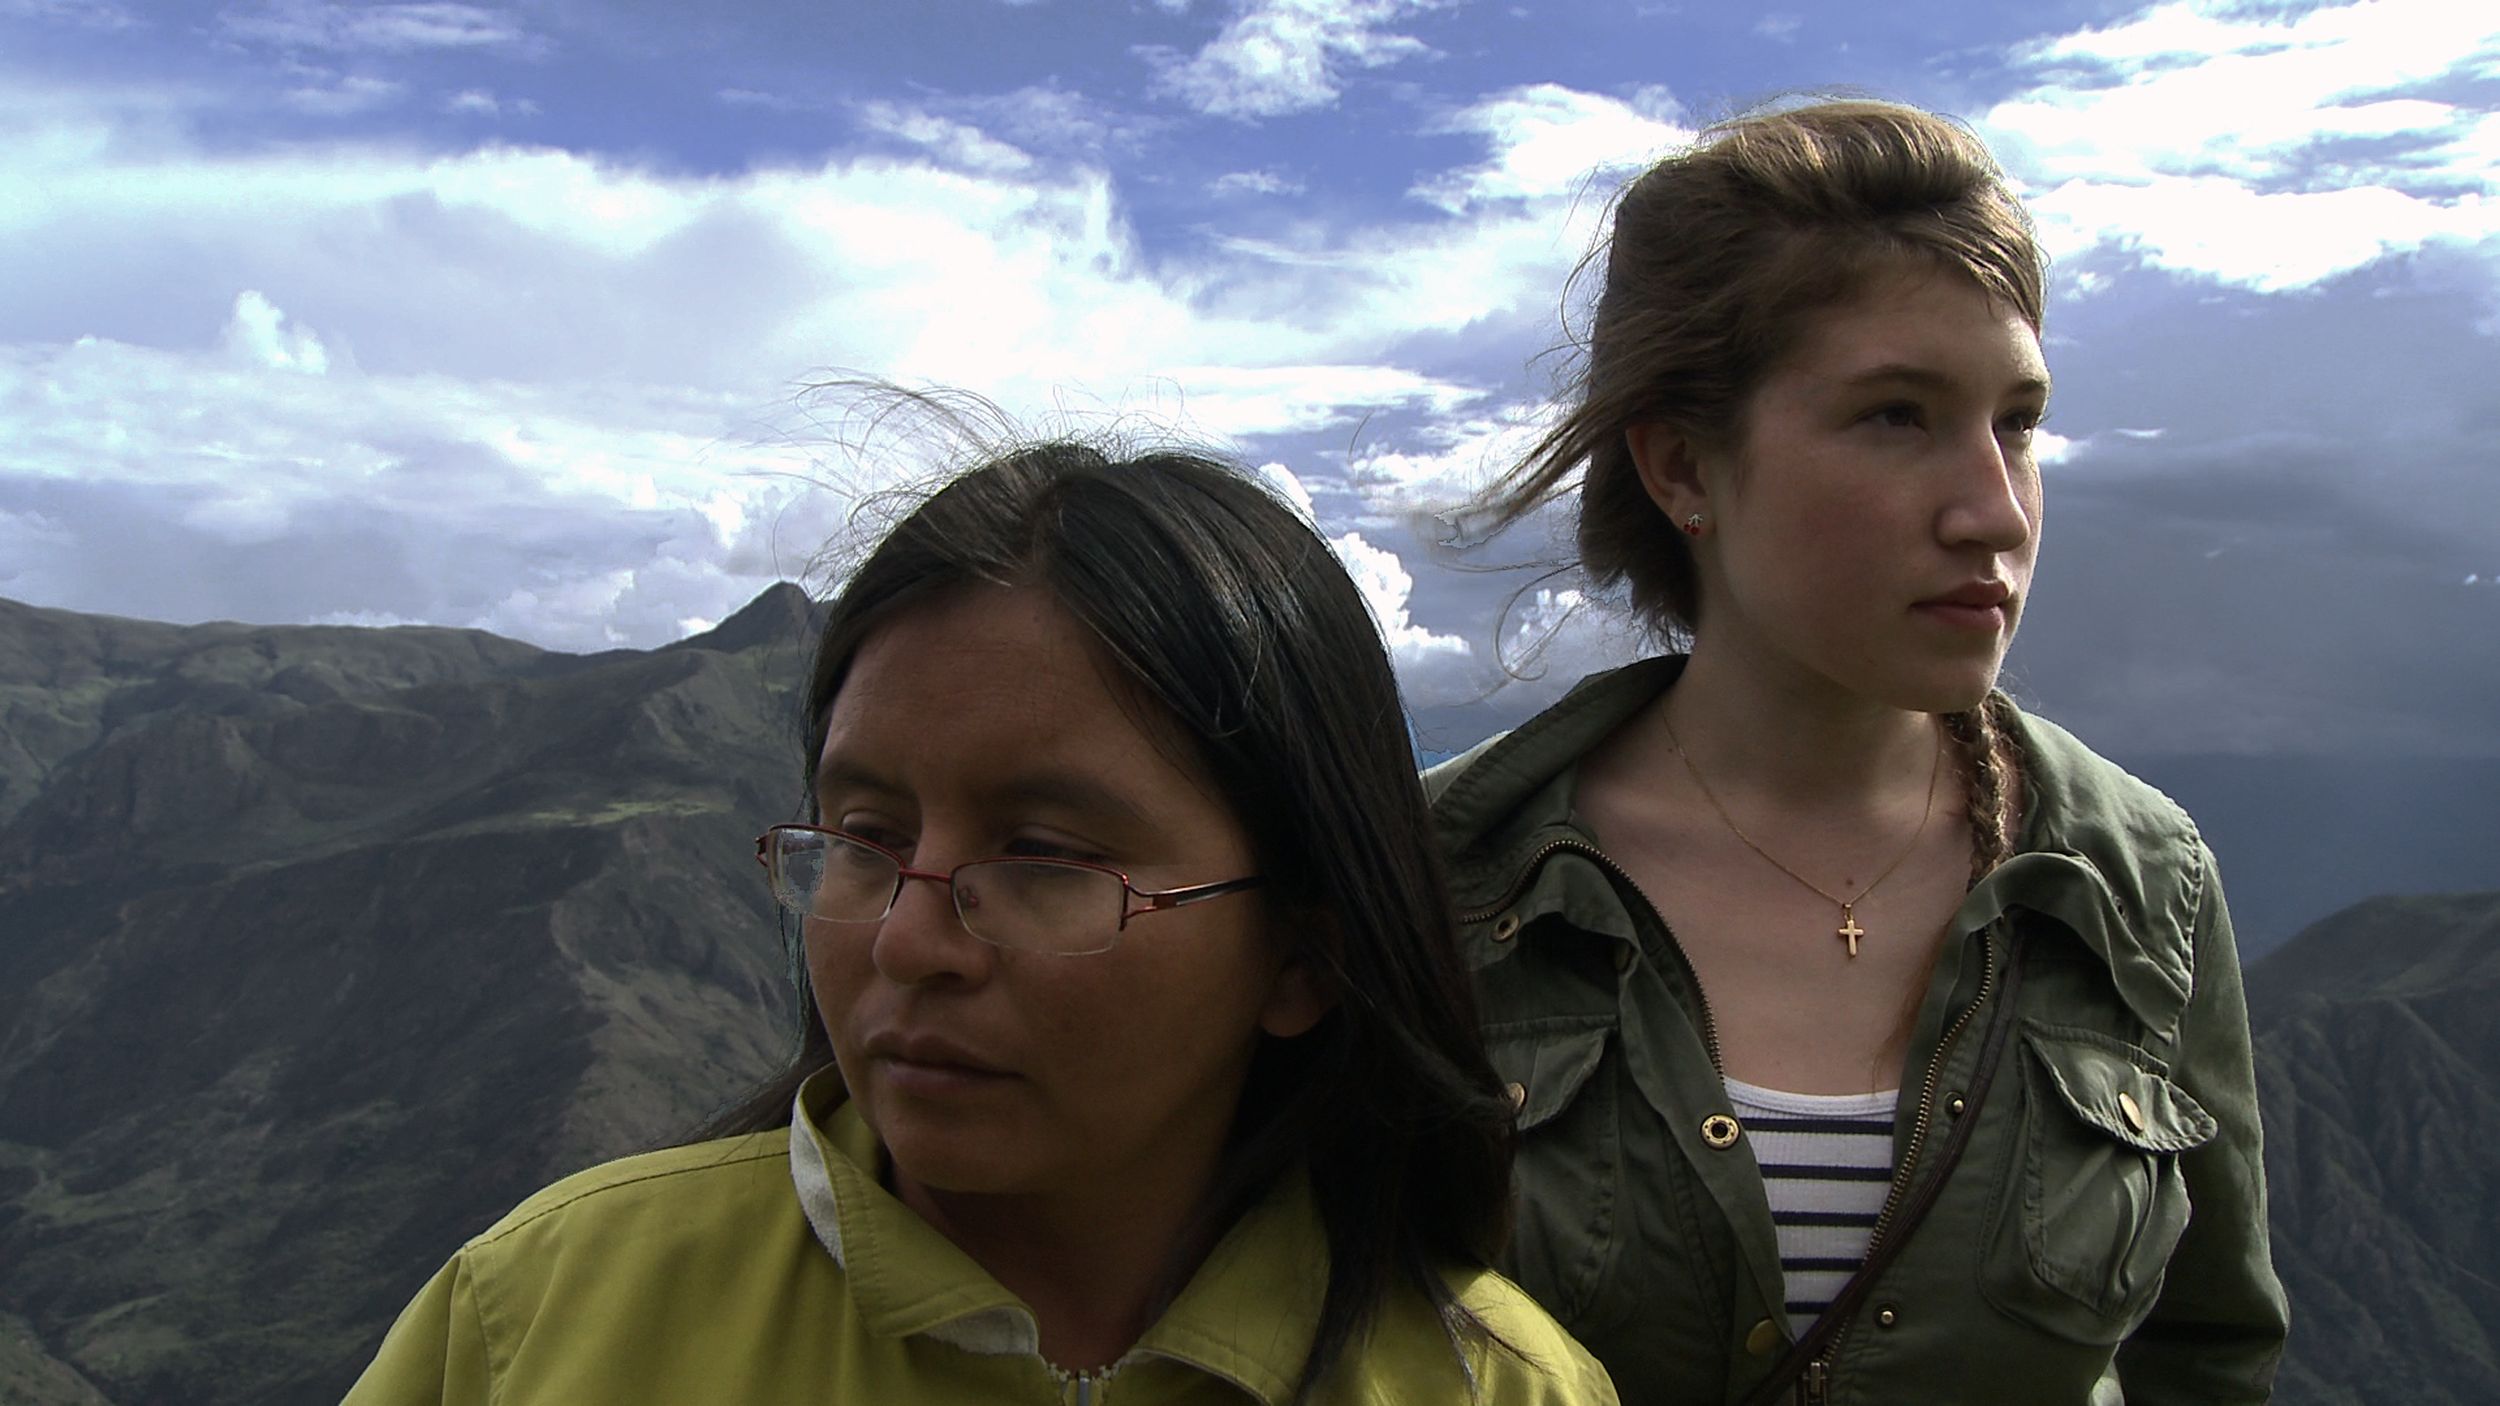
{"points": [[1228, 612], [1718, 259]]}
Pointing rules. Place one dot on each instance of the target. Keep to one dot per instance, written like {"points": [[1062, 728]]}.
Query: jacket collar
{"points": [[1247, 1316], [2114, 862]]}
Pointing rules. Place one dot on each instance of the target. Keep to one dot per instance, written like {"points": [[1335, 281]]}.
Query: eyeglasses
{"points": [[1063, 907]]}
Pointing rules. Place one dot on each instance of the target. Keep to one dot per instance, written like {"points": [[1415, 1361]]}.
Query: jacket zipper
{"points": [[1817, 1380], [1692, 979], [1081, 1388]]}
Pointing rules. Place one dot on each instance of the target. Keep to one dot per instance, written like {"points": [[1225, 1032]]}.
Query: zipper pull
{"points": [[1818, 1382]]}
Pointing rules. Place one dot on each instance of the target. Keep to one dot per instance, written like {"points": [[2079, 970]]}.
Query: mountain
{"points": [[320, 947], [2378, 1067]]}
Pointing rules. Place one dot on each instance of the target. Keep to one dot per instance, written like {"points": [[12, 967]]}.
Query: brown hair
{"points": [[1718, 258]]}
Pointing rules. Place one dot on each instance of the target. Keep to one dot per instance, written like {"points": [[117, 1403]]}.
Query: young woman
{"points": [[1137, 1063], [1872, 1041]]}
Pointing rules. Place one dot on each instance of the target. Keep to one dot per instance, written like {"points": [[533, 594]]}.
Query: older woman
{"points": [[1137, 1062]]}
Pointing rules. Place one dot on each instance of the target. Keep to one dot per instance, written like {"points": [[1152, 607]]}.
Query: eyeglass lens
{"points": [[1031, 904]]}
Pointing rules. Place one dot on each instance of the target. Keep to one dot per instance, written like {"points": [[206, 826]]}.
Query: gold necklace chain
{"points": [[1848, 931]]}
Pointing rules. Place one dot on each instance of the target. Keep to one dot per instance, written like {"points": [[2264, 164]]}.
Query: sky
{"points": [[504, 315]]}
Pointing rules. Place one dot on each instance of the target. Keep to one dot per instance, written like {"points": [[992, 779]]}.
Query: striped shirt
{"points": [[1826, 1164]]}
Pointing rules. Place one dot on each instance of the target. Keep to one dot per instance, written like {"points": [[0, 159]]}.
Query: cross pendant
{"points": [[1849, 929]]}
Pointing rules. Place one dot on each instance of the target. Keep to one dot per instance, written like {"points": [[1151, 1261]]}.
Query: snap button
{"points": [[1506, 927], [1764, 1339], [1886, 1316], [1955, 1105], [1518, 1094], [2133, 1110], [1720, 1131], [1623, 956]]}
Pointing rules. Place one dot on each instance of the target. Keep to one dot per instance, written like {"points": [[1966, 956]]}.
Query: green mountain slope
{"points": [[320, 948], [2378, 1066]]}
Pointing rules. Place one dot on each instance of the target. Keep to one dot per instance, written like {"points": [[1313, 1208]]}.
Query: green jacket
{"points": [[776, 1269], [2089, 1247]]}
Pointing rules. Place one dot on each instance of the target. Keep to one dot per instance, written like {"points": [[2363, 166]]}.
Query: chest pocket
{"points": [[1570, 1155], [2094, 1202]]}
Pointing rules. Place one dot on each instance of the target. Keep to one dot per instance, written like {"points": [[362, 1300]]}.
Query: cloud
{"points": [[333, 95], [400, 28], [87, 14], [1428, 663], [532, 420], [258, 335], [1279, 57], [2271, 149], [1253, 183], [1234, 401], [1547, 142], [770, 102], [577, 516], [1288, 485], [958, 144], [479, 102]]}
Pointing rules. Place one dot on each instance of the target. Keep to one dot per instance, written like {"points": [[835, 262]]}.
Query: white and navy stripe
{"points": [[1826, 1164]]}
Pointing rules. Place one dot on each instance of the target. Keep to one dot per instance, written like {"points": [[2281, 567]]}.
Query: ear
{"points": [[1669, 464], [1296, 1000]]}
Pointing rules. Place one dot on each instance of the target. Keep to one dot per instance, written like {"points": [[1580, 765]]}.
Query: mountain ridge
{"points": [[320, 947]]}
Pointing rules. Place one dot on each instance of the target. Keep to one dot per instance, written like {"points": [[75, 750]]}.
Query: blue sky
{"points": [[493, 315]]}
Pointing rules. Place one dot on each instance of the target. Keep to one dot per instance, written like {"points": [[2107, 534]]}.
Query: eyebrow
{"points": [[1930, 378], [1061, 790]]}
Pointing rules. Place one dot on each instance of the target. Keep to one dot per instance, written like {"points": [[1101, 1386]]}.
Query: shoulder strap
{"points": [[1810, 1348]]}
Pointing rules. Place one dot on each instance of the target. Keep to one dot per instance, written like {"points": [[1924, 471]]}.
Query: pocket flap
{"points": [[1549, 1065], [2131, 1103]]}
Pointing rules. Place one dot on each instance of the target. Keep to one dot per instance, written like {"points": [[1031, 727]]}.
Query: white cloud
{"points": [[1778, 28], [1446, 461], [562, 370], [1288, 485], [345, 97], [88, 14], [1279, 57], [752, 97], [324, 24], [2267, 149], [1422, 656], [258, 335], [1254, 183], [481, 103], [958, 144], [576, 516], [2270, 242], [1547, 141], [1233, 401]]}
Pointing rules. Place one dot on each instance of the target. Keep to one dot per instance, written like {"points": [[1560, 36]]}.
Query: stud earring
{"points": [[1692, 525]]}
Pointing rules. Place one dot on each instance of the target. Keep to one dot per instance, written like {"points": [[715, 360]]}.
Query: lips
{"points": [[935, 1054], [1977, 595]]}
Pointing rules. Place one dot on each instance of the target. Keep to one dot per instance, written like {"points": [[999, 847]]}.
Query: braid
{"points": [[1988, 742]]}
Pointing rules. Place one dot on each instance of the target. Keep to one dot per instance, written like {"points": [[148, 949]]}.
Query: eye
{"points": [[2020, 424], [1042, 847], [1896, 415], [875, 830]]}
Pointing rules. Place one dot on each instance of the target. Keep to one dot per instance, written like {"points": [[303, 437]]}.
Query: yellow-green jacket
{"points": [[774, 1268], [2105, 1232]]}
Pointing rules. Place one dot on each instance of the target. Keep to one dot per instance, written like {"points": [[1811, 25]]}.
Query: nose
{"points": [[1996, 494], [921, 939]]}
